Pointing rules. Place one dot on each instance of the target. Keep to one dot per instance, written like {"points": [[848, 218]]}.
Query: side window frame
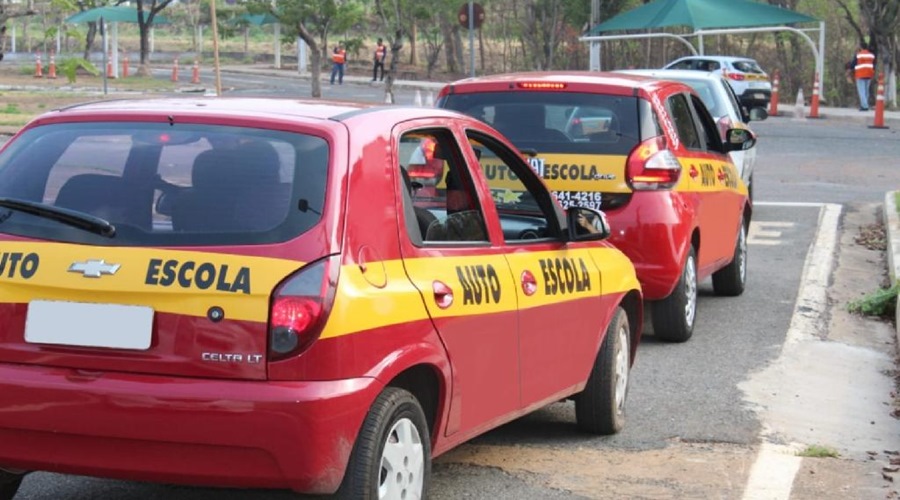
{"points": [[706, 126], [686, 119], [454, 164], [555, 217]]}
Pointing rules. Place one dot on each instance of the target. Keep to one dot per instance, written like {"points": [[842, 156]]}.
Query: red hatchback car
{"points": [[253, 293], [647, 153]]}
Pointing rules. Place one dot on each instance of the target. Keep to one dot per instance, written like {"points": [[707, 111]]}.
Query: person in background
{"points": [[380, 54], [863, 72], [338, 59]]}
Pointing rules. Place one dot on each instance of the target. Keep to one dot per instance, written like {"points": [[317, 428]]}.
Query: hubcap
{"points": [[402, 463], [622, 356], [690, 291]]}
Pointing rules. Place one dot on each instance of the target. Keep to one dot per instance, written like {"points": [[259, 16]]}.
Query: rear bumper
{"points": [[295, 435], [755, 97]]}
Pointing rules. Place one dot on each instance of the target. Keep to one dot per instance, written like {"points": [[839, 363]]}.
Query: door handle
{"points": [[443, 294]]}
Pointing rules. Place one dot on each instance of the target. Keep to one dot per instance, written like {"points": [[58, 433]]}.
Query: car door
{"points": [[712, 183], [557, 284], [459, 269]]}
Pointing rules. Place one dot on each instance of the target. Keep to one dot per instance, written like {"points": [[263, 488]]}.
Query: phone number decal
{"points": [[578, 198]]}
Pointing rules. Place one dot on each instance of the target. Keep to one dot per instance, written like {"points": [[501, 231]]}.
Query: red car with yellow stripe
{"points": [[645, 152], [257, 293]]}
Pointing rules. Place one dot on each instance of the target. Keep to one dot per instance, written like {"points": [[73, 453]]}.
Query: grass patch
{"points": [[880, 303], [897, 200], [818, 451]]}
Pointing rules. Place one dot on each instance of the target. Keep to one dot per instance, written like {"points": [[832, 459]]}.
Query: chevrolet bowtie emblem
{"points": [[93, 268]]}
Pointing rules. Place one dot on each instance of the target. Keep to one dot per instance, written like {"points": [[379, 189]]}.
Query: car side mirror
{"points": [[758, 114], [586, 224], [739, 139]]}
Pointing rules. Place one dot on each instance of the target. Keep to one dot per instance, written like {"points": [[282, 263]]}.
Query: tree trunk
{"points": [[144, 69], [89, 40], [413, 58], [315, 60], [447, 33]]}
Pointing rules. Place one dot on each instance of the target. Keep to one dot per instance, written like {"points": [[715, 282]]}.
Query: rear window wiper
{"points": [[73, 218]]}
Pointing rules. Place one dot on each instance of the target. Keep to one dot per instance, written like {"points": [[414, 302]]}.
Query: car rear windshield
{"points": [[747, 66], [557, 122], [161, 185]]}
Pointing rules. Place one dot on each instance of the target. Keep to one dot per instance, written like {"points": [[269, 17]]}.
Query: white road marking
{"points": [[773, 472], [766, 233]]}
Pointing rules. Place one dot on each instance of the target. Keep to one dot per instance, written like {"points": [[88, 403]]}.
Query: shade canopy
{"points": [[254, 19], [701, 14], [116, 14]]}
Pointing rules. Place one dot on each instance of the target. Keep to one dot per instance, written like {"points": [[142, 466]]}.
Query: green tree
{"points": [[312, 21], [147, 11]]}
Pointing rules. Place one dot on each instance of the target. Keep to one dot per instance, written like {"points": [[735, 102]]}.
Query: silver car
{"points": [[722, 103]]}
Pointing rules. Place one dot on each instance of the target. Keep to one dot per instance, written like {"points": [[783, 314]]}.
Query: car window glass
{"points": [[558, 122], [709, 134], [438, 192], [526, 212], [199, 184], [689, 64], [684, 122], [747, 67]]}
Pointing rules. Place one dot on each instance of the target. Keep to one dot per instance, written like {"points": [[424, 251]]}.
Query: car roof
{"points": [[691, 74], [717, 58], [241, 108], [587, 81]]}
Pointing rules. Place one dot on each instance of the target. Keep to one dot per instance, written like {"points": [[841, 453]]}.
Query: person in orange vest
{"points": [[380, 54], [338, 58], [863, 71]]}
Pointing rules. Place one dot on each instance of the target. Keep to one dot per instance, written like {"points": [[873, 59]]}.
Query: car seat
{"points": [[107, 197], [526, 122], [233, 189], [424, 217], [608, 136]]}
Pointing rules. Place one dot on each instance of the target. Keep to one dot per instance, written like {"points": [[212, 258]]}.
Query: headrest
{"points": [[247, 164]]}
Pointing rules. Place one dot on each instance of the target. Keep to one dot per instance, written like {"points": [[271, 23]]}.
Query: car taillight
{"points": [[734, 76], [651, 166], [428, 174], [299, 308]]}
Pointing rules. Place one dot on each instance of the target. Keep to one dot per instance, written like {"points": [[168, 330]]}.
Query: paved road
{"points": [[682, 393]]}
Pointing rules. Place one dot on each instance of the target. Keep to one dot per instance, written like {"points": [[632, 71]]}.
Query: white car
{"points": [[722, 103], [750, 83]]}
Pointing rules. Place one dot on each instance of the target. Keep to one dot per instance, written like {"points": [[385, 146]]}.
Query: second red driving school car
{"points": [[647, 153], [258, 293]]}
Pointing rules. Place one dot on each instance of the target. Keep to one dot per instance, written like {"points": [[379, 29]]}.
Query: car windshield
{"points": [[747, 66], [558, 122], [161, 185]]}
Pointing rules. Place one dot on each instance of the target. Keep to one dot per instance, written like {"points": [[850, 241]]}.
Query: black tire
{"points": [[673, 317], [396, 418], [9, 484], [731, 279], [600, 408]]}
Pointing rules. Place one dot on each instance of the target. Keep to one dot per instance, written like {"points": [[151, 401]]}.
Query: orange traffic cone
{"points": [[125, 66], [814, 103], [38, 69], [175, 70], [195, 72], [51, 71], [773, 104], [879, 104]]}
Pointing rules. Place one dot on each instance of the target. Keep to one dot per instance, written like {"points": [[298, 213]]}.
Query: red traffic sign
{"points": [[477, 15]]}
